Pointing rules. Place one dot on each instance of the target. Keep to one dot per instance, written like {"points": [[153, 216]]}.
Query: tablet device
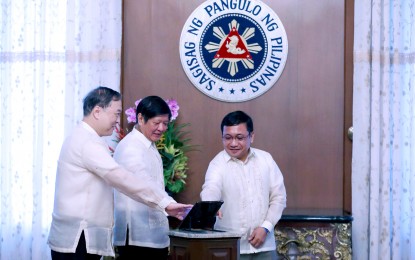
{"points": [[201, 216]]}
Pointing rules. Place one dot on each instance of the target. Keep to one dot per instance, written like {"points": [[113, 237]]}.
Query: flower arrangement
{"points": [[172, 147]]}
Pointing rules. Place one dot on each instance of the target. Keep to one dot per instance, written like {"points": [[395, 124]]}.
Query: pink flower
{"points": [[130, 112], [130, 115], [174, 108]]}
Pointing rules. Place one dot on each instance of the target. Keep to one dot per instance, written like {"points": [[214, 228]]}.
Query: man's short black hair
{"points": [[152, 106], [236, 118]]}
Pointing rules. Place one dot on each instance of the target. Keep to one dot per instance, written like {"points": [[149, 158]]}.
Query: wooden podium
{"points": [[203, 245]]}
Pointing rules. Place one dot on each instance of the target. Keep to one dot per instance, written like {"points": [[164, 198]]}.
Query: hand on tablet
{"points": [[178, 210], [219, 214]]}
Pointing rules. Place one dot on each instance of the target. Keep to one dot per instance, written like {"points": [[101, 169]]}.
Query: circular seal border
{"points": [[255, 85]]}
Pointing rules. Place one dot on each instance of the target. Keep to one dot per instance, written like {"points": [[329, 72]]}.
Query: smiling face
{"points": [[237, 141], [107, 118], [154, 128]]}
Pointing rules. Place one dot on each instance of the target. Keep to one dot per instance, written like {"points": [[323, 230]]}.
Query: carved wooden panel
{"points": [[314, 241]]}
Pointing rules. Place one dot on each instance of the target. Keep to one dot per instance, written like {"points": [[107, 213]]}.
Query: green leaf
{"points": [[172, 147]]}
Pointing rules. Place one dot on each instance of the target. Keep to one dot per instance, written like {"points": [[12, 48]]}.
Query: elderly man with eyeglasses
{"points": [[251, 185]]}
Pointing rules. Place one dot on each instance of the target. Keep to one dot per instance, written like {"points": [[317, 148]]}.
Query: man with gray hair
{"points": [[82, 219]]}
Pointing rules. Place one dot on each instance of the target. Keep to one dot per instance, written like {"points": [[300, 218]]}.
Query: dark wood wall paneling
{"points": [[301, 120]]}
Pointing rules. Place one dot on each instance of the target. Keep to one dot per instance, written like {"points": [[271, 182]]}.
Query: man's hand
{"points": [[219, 214], [257, 238], [178, 210]]}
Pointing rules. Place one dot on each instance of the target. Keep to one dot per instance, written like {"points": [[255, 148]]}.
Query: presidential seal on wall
{"points": [[233, 50]]}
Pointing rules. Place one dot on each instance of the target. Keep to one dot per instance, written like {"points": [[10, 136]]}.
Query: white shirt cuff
{"points": [[165, 202], [268, 225]]}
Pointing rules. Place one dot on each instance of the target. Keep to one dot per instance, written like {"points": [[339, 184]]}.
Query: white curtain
{"points": [[51, 54], [383, 178]]}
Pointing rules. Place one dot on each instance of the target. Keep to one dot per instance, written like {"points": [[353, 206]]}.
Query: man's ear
{"points": [[140, 119], [96, 112], [252, 136]]}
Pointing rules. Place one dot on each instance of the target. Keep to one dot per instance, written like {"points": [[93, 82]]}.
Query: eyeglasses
{"points": [[238, 138]]}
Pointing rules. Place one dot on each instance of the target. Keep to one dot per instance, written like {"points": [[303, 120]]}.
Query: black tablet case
{"points": [[201, 216]]}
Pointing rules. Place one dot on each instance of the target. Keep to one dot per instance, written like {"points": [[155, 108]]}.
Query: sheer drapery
{"points": [[383, 177], [51, 54]]}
